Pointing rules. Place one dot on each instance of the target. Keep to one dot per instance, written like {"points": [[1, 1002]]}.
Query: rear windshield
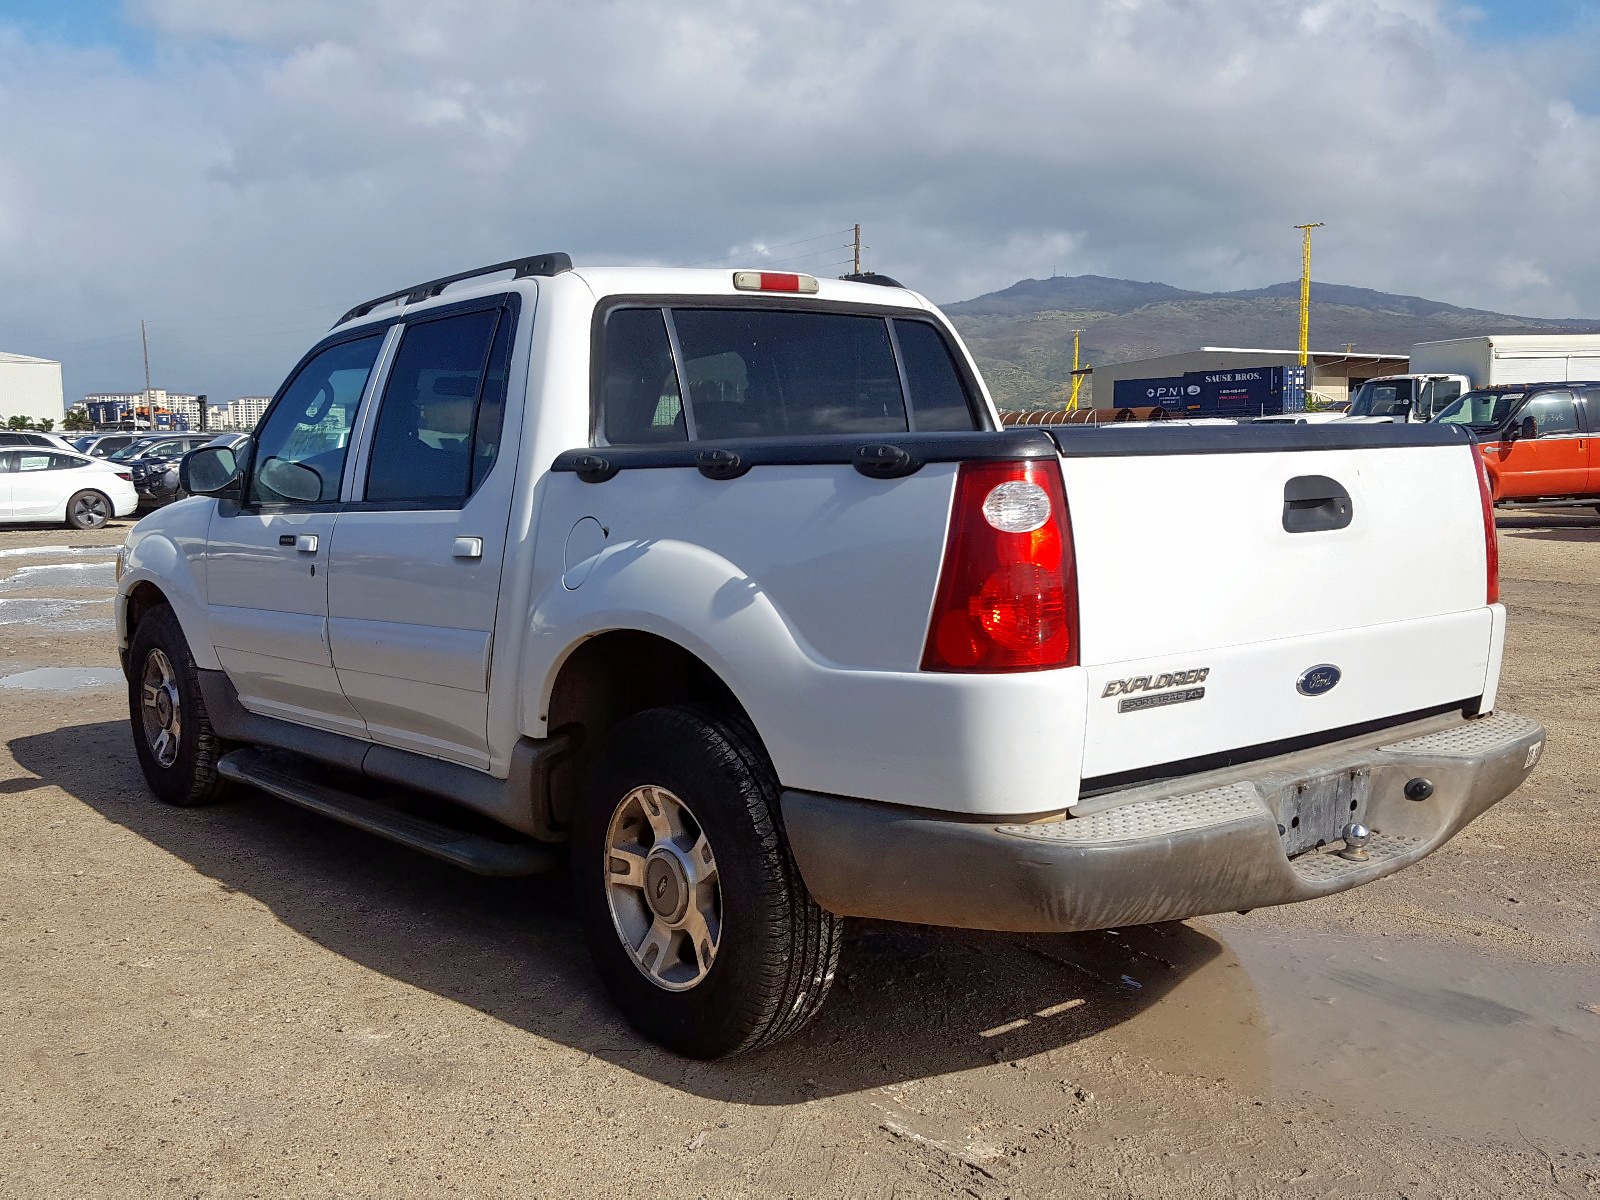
{"points": [[1481, 410], [774, 373]]}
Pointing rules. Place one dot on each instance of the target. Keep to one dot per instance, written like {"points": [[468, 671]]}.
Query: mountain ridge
{"points": [[1022, 335]]}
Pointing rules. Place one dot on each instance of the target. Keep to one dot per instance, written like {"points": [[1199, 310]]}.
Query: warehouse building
{"points": [[1333, 375], [31, 387]]}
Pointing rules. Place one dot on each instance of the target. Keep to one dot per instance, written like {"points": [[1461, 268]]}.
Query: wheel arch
{"points": [[610, 677]]}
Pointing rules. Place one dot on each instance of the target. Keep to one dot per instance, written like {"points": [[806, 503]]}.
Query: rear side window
{"points": [[639, 394], [774, 373], [438, 427]]}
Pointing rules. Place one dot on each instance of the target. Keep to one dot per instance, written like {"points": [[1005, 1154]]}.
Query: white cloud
{"points": [[290, 157]]}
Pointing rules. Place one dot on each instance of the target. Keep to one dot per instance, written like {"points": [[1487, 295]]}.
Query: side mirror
{"points": [[211, 471]]}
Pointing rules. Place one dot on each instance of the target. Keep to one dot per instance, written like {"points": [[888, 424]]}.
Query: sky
{"points": [[238, 174]]}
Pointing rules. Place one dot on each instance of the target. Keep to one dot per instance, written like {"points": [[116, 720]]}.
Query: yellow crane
{"points": [[1305, 286]]}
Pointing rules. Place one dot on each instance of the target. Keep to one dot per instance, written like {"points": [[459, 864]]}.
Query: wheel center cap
{"points": [[164, 707], [666, 888]]}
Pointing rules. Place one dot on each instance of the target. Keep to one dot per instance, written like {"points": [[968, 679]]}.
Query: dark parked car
{"points": [[160, 482], [148, 459]]}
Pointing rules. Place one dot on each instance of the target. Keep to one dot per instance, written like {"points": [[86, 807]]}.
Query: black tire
{"points": [[777, 949], [182, 769], [89, 509]]}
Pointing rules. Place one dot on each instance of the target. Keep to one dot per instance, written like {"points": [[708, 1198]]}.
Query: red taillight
{"points": [[128, 475], [1008, 593], [1491, 542]]}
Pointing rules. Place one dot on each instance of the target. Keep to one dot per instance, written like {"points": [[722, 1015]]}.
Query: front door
{"points": [[266, 562], [1555, 461], [415, 576]]}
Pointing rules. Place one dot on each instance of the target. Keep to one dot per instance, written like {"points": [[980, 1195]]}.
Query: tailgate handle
{"points": [[1314, 503]]}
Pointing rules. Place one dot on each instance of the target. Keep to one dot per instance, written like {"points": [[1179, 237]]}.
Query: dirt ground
{"points": [[253, 1001]]}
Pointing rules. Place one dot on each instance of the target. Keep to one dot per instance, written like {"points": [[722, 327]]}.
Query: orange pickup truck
{"points": [[1541, 441]]}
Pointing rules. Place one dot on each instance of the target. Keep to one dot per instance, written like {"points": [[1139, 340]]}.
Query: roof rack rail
{"points": [[871, 277], [534, 264]]}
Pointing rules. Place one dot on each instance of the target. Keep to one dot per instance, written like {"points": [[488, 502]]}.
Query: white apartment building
{"points": [[244, 412]]}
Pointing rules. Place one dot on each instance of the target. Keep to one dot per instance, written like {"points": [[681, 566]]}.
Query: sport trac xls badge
{"points": [[1158, 691]]}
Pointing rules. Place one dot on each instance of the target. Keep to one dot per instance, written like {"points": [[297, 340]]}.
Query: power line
{"points": [[768, 249]]}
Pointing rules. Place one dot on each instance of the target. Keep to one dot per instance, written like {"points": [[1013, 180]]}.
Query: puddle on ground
{"points": [[58, 551], [56, 575], [62, 679], [58, 616], [1459, 1041]]}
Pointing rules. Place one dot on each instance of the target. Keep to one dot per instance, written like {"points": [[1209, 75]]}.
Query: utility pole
{"points": [[1077, 376], [145, 342], [856, 269], [1305, 286]]}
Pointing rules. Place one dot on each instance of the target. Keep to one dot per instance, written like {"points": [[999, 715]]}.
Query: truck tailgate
{"points": [[1208, 593]]}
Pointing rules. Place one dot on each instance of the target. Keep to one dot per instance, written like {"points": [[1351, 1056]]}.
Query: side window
{"points": [[300, 448], [63, 462], [8, 462], [639, 400], [939, 399], [492, 405], [35, 460], [1445, 393], [424, 445], [1553, 413]]}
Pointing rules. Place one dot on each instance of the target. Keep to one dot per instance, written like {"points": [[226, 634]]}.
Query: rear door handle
{"points": [[468, 547], [306, 543]]}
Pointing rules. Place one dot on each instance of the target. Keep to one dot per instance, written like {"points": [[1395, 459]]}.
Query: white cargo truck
{"points": [[1442, 371], [728, 589]]}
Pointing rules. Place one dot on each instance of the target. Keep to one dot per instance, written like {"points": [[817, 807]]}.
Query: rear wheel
{"points": [[693, 908], [88, 510], [172, 734]]}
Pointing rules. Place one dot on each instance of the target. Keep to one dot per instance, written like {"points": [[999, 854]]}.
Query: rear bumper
{"points": [[1185, 848]]}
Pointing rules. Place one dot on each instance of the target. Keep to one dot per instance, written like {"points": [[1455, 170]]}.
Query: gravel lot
{"points": [[249, 1000]]}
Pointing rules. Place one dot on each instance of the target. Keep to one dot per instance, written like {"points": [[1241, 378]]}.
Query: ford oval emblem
{"points": [[1319, 680]]}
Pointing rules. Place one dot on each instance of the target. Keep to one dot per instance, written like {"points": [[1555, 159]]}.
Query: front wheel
{"points": [[693, 908], [172, 734], [88, 510]]}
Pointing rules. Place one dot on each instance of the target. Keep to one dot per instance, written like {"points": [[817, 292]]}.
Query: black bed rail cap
{"points": [[533, 264], [886, 456]]}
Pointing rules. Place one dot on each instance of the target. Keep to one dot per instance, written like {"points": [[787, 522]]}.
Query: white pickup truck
{"points": [[729, 589]]}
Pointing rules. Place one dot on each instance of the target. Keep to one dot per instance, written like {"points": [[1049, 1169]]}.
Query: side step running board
{"points": [[477, 853]]}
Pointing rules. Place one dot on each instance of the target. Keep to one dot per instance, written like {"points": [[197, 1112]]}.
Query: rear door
{"points": [[415, 575], [266, 559], [1555, 461]]}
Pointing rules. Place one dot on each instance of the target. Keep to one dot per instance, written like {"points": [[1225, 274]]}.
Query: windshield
{"points": [[1481, 410], [133, 449], [1383, 398]]}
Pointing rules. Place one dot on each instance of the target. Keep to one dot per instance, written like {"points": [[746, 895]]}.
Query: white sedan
{"points": [[37, 484]]}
